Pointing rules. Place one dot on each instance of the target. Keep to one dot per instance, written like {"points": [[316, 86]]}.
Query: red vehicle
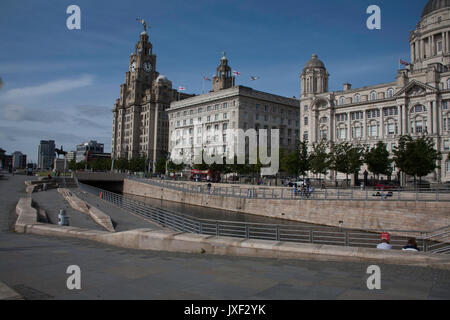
{"points": [[386, 185]]}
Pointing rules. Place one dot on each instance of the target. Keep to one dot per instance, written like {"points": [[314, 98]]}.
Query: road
{"points": [[35, 266]]}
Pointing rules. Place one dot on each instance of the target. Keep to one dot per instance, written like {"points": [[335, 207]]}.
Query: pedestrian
{"points": [[209, 187], [411, 245], [384, 242]]}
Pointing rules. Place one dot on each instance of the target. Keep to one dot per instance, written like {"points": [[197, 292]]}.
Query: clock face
{"points": [[147, 66], [133, 67]]}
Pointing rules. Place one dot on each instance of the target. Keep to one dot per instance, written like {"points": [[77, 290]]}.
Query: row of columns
{"points": [[403, 118], [422, 46]]}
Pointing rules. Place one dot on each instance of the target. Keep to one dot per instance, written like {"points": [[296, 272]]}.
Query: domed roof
{"points": [[434, 5], [162, 78], [315, 62]]}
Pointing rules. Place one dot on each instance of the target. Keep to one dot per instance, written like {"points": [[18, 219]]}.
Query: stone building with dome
{"points": [[416, 103], [140, 122]]}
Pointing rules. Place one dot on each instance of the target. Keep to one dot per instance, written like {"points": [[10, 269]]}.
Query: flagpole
{"points": [[203, 85]]}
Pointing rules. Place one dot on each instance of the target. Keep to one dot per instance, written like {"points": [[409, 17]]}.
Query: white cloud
{"points": [[51, 87]]}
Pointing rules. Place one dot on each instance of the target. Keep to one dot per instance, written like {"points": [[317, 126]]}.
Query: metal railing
{"points": [[286, 193], [286, 232]]}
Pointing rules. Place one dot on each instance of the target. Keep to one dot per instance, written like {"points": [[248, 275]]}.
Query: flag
{"points": [[236, 73], [181, 88], [206, 78], [252, 78], [404, 62]]}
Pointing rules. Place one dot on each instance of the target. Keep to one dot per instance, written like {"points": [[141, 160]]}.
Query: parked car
{"points": [[386, 185]]}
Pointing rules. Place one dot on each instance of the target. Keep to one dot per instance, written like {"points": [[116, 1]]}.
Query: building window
{"points": [[390, 93], [392, 111], [446, 126], [324, 133], [341, 117], [342, 100], [373, 95], [447, 166], [446, 145], [374, 113], [225, 115], [373, 130], [444, 105], [357, 115], [390, 129], [342, 133], [356, 132], [200, 110], [357, 97], [419, 126], [439, 46], [305, 136], [305, 108], [323, 120]]}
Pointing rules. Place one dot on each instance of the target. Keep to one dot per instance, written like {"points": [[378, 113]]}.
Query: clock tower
{"points": [[140, 121]]}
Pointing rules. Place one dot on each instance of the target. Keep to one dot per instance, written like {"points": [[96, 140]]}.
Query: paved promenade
{"points": [[35, 267]]}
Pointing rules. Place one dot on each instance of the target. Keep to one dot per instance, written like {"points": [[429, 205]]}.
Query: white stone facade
{"points": [[416, 103]]}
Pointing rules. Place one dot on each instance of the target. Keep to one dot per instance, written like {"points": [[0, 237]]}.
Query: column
{"points": [[349, 127], [404, 119], [444, 45], [430, 124], [412, 53], [433, 47], [435, 115]]}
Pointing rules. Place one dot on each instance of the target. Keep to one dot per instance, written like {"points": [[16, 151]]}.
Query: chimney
{"points": [[347, 86]]}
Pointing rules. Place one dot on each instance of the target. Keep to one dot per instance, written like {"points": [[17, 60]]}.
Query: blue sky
{"points": [[61, 84]]}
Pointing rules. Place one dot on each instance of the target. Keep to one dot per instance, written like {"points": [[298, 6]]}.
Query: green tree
{"points": [[416, 158], [320, 158], [297, 162], [72, 164], [378, 160], [160, 165], [121, 164], [137, 164], [346, 158]]}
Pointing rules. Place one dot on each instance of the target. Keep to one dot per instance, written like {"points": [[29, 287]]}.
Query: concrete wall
{"points": [[377, 215]]}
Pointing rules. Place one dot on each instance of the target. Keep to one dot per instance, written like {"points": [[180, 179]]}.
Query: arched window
{"points": [[357, 97], [342, 100], [390, 93], [448, 83], [323, 120], [373, 95]]}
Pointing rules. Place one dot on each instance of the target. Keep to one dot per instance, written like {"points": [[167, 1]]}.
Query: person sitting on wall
{"points": [[411, 245], [384, 245]]}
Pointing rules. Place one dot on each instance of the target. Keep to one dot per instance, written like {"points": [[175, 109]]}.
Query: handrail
{"points": [[259, 192], [277, 232]]}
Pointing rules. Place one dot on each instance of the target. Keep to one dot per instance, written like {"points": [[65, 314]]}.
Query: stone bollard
{"points": [[63, 220]]}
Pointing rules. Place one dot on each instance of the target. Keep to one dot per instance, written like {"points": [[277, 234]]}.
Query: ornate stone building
{"points": [[202, 121], [140, 122], [416, 103]]}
